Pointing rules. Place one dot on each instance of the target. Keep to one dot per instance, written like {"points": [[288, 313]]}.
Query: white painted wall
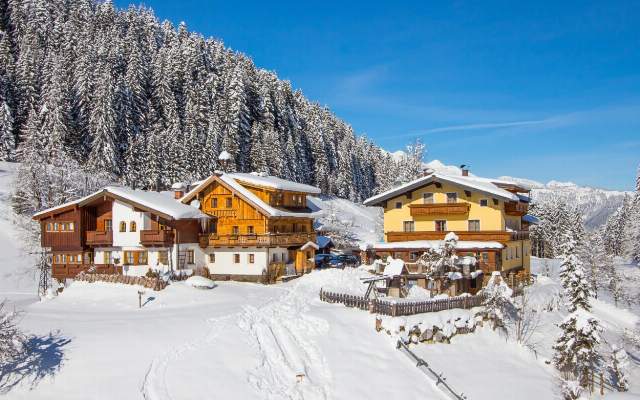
{"points": [[124, 212], [225, 265]]}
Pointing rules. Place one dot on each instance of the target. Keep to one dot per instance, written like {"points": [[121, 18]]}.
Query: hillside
{"points": [[118, 93]]}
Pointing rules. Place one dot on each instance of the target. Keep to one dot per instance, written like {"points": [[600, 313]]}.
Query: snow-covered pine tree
{"points": [[618, 364], [576, 350], [574, 279], [7, 139]]}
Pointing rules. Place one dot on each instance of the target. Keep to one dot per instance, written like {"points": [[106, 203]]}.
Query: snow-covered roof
{"points": [[231, 181], [435, 244], [483, 185], [394, 268], [323, 241], [274, 182], [161, 202], [530, 219], [309, 245], [224, 155]]}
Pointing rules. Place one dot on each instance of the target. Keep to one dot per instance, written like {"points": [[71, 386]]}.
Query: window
{"points": [[274, 257], [190, 257], [517, 252], [441, 225], [79, 258], [49, 226], [132, 226], [235, 230], [55, 226], [123, 226], [252, 258], [163, 257], [496, 202], [413, 256], [212, 258], [485, 257], [71, 226], [128, 257], [472, 284], [427, 198], [229, 202], [142, 257], [474, 225], [409, 226], [250, 230], [108, 225], [214, 202], [484, 202], [398, 204], [452, 197], [106, 258], [236, 258]]}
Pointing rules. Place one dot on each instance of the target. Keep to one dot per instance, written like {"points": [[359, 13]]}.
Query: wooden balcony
{"points": [[482, 236], [222, 213], [99, 238], [516, 208], [151, 238], [70, 271], [275, 239], [418, 210]]}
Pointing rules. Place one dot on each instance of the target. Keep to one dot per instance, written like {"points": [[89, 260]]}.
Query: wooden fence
{"points": [[395, 309], [149, 283]]}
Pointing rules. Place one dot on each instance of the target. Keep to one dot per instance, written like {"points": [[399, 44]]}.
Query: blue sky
{"points": [[549, 90]]}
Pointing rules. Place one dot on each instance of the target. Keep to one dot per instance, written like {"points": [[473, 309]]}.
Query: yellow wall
{"points": [[516, 254], [492, 217]]}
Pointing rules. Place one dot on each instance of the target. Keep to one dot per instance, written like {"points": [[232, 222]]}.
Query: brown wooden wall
{"points": [[64, 240], [103, 212], [187, 231], [241, 213]]}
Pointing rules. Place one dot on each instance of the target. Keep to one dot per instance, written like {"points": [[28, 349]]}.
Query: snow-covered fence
{"points": [[149, 283], [400, 308]]}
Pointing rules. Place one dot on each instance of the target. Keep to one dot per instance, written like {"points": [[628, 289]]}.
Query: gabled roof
{"points": [[436, 244], [483, 185], [230, 182], [161, 203], [273, 182]]}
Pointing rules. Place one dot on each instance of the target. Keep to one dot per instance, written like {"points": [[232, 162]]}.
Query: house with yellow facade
{"points": [[488, 216]]}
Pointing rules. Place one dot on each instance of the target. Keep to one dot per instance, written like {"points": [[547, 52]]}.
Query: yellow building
{"points": [[489, 217]]}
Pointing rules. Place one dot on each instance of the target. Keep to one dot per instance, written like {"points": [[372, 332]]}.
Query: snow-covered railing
{"points": [[396, 308]]}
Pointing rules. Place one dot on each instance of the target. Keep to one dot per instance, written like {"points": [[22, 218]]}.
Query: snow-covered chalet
{"points": [[235, 224], [488, 216]]}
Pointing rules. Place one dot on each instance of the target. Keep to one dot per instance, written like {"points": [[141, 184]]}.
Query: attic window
{"points": [[496, 202], [229, 202], [452, 197], [398, 204], [484, 202]]}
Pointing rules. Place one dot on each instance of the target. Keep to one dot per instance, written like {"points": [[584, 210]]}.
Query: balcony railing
{"points": [[483, 236], [516, 208], [160, 237], [438, 209], [274, 239], [99, 238], [222, 213]]}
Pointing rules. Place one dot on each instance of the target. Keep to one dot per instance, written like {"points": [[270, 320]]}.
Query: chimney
{"points": [[178, 190], [465, 172]]}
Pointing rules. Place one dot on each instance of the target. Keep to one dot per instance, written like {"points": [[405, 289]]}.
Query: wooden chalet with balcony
{"points": [[488, 216]]}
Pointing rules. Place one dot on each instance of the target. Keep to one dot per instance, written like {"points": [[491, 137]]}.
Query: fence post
{"points": [[601, 384], [394, 309]]}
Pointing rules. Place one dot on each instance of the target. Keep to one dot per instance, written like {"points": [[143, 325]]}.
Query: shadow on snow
{"points": [[43, 358]]}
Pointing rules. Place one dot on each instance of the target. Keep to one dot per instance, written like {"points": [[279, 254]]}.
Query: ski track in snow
{"points": [[281, 335]]}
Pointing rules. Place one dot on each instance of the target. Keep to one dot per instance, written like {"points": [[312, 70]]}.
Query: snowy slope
{"points": [[348, 223], [18, 282]]}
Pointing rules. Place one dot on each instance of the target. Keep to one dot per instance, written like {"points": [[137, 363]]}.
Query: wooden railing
{"points": [[274, 239], [516, 208], [99, 238], [222, 213], [438, 209], [156, 237], [399, 308], [61, 271], [498, 236]]}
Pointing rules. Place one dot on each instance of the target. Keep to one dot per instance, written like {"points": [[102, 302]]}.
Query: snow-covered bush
{"points": [[497, 299], [571, 390], [12, 340]]}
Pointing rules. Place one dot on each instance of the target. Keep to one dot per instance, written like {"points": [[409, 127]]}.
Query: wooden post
{"points": [[140, 293]]}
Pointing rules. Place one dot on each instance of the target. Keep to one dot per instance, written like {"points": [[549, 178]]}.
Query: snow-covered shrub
{"points": [[12, 340], [497, 299], [571, 390]]}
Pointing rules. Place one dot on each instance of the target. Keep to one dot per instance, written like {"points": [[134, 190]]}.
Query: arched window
{"points": [[123, 226], [132, 226]]}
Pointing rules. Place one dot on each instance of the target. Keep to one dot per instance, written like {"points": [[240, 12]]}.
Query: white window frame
{"points": [[428, 195], [404, 226], [455, 195]]}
